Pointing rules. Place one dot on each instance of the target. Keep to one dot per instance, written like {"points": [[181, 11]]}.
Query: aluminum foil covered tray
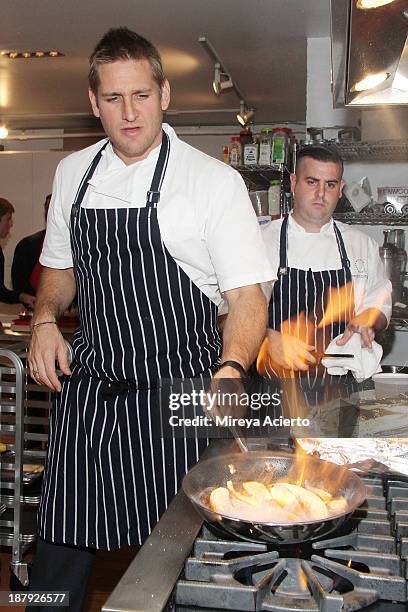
{"points": [[380, 454]]}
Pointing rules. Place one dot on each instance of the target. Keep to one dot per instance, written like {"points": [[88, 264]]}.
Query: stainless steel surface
{"points": [[270, 467], [150, 578], [380, 150], [394, 259], [228, 574], [369, 42]]}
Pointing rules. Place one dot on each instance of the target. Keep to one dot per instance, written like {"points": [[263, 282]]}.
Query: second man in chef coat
{"points": [[331, 279]]}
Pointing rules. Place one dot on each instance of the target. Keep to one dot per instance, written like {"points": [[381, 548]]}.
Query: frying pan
{"points": [[268, 468]]}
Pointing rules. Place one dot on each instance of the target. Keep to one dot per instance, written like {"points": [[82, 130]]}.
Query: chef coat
{"points": [[205, 216], [319, 251]]}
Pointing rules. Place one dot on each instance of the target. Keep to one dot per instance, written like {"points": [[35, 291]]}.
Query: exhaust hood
{"points": [[369, 48]]}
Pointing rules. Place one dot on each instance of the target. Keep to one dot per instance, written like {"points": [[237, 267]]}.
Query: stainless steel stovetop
{"points": [[183, 566]]}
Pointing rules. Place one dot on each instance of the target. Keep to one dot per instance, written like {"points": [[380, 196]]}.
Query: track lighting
{"points": [[245, 113], [222, 80]]}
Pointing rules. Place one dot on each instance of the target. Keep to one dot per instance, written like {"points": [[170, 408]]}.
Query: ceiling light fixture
{"points": [[31, 54], [3, 132], [222, 76], [372, 4], [371, 81], [245, 113], [222, 81]]}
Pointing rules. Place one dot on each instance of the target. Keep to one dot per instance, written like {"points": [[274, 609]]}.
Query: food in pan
{"points": [[281, 502]]}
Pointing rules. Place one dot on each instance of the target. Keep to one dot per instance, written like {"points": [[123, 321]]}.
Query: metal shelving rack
{"points": [[367, 218], [260, 177], [381, 150], [24, 413]]}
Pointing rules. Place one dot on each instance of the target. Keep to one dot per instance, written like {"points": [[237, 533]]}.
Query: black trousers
{"points": [[61, 568]]}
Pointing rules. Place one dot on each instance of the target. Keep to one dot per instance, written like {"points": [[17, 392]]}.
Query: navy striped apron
{"points": [[304, 291], [109, 474]]}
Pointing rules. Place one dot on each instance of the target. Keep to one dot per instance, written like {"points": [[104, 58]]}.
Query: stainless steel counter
{"points": [[150, 578]]}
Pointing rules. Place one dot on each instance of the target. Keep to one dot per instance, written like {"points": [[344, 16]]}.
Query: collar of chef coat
{"points": [[325, 229], [115, 179]]}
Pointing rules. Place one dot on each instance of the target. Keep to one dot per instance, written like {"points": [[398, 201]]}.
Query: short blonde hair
{"points": [[123, 44]]}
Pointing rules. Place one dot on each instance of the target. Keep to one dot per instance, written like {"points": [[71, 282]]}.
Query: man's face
{"points": [[130, 105], [6, 223], [317, 187]]}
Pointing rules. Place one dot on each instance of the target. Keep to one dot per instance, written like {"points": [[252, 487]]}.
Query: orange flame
{"points": [[339, 301], [302, 577], [297, 327]]}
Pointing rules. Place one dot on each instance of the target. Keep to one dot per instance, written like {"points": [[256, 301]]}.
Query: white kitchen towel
{"points": [[365, 363]]}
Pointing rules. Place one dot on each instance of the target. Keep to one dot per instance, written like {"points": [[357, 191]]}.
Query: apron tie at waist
{"points": [[116, 388]]}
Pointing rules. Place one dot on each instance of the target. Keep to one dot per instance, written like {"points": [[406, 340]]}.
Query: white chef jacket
{"points": [[205, 215], [319, 252]]}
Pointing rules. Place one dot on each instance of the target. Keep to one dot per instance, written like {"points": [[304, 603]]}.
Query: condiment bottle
{"points": [[274, 193], [265, 147], [245, 137], [280, 142], [235, 152], [251, 154]]}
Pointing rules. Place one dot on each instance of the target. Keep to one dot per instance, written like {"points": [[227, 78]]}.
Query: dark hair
{"points": [[123, 44], [323, 153], [5, 207]]}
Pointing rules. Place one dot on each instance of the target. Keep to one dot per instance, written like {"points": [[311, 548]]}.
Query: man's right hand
{"points": [[47, 346], [289, 352]]}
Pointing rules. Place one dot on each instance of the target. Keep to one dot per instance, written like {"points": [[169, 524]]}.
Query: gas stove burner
{"points": [[264, 581], [364, 566]]}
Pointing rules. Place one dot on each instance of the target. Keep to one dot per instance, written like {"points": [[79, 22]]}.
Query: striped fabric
{"points": [[109, 474], [304, 291]]}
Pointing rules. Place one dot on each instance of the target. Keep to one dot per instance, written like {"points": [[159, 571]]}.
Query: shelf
{"points": [[382, 150], [367, 218], [256, 168]]}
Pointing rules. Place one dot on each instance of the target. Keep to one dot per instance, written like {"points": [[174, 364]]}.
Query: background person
{"points": [[7, 295], [320, 263], [26, 268]]}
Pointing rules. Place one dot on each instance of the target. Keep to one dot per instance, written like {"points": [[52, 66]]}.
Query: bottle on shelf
{"points": [[226, 154], [265, 147], [251, 154], [245, 137], [274, 197], [235, 152], [280, 145]]}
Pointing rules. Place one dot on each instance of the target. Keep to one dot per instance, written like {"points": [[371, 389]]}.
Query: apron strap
{"points": [[342, 249], [83, 186], [283, 247], [153, 195]]}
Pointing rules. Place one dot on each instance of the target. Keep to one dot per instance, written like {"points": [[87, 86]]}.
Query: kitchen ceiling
{"points": [[262, 42]]}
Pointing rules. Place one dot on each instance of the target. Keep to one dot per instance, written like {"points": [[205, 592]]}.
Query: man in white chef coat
{"points": [[325, 269], [152, 234]]}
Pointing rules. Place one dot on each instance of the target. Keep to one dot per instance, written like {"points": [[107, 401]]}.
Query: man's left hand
{"points": [[358, 325], [365, 324]]}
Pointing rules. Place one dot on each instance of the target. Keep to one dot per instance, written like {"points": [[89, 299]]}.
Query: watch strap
{"points": [[236, 365]]}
